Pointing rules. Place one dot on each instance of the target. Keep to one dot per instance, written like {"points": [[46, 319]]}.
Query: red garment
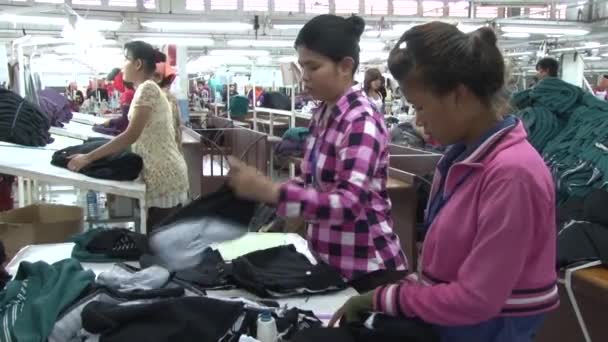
{"points": [[119, 83], [126, 97], [6, 192]]}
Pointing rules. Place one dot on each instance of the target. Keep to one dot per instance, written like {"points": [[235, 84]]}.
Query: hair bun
{"points": [[357, 25], [485, 34], [159, 57]]}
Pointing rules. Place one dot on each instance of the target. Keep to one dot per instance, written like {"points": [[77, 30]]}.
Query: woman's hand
{"points": [[354, 308], [248, 183], [78, 162]]}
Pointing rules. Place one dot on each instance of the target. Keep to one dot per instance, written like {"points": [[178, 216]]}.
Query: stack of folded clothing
{"points": [[56, 106], [21, 122], [109, 245]]}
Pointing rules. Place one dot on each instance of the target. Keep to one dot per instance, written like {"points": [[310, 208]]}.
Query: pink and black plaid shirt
{"points": [[343, 194]]}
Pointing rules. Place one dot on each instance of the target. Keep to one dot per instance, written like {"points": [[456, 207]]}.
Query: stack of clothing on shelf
{"points": [[569, 127], [56, 106], [293, 142], [21, 122]]}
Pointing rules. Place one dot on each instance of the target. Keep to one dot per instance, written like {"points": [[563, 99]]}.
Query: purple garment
{"points": [[55, 106], [290, 148], [116, 126]]}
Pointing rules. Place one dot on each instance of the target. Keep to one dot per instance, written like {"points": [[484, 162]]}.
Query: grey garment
{"points": [[180, 245], [151, 278]]}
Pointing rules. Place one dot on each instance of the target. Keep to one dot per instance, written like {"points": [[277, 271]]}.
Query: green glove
{"points": [[354, 308]]}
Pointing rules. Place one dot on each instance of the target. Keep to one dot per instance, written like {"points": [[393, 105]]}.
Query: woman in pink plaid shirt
{"points": [[342, 193]]}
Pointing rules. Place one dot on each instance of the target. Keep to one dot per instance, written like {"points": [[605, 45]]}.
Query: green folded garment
{"points": [[296, 134]]}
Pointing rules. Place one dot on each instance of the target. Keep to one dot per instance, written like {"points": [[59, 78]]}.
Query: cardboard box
{"points": [[39, 223]]}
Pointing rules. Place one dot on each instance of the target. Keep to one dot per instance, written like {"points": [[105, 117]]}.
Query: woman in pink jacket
{"points": [[487, 266]]}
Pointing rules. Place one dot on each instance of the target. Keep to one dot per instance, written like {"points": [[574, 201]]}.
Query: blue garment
{"points": [[500, 329]]}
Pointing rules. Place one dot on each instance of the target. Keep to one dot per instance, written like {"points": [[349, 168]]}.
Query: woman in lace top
{"points": [[151, 134]]}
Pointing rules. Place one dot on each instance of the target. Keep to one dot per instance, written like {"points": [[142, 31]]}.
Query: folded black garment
{"points": [[22, 122], [282, 271], [209, 274], [582, 242], [123, 166], [180, 240], [108, 245], [188, 319]]}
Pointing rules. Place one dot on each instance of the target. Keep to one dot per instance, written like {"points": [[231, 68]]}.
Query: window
{"points": [[255, 5], [224, 5], [432, 8], [86, 2], [123, 3], [149, 4], [405, 7], [287, 5], [376, 7], [486, 12], [539, 12], [347, 6], [195, 5], [560, 11], [458, 9], [316, 6]]}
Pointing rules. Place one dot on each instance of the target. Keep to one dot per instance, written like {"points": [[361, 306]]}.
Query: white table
{"points": [[322, 305], [35, 164], [78, 130], [88, 119]]}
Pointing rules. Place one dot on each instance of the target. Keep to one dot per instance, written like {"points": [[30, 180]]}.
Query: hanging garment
{"points": [[123, 166], [6, 192], [68, 326], [30, 304], [21, 122], [56, 106], [276, 100], [109, 245], [184, 319], [281, 272], [180, 240]]}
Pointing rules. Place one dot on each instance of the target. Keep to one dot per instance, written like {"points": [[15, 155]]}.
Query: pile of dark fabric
{"points": [[109, 245], [21, 122], [293, 142], [56, 107], [114, 126], [276, 100], [271, 273], [123, 166], [583, 229], [4, 276], [569, 128]]}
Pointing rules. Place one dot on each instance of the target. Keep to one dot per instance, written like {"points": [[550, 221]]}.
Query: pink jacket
{"points": [[490, 251]]}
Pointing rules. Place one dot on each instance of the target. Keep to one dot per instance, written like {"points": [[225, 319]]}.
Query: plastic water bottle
{"points": [[92, 208], [267, 327]]}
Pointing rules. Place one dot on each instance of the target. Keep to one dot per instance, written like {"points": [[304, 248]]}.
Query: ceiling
{"points": [[214, 34]]}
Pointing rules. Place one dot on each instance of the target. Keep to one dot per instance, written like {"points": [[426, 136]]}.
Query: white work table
{"points": [[323, 305], [35, 164], [78, 130], [90, 119]]}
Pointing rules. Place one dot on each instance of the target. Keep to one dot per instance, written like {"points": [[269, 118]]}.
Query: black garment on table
{"points": [[22, 122], [209, 274], [186, 319], [123, 166], [282, 271], [376, 279], [591, 208], [582, 241], [118, 243], [385, 329]]}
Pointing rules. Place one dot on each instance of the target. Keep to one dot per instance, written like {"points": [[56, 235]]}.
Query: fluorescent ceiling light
{"points": [[370, 56], [516, 54], [605, 55], [545, 30], [103, 25], [260, 43], [288, 59], [516, 35], [592, 58], [35, 20], [371, 45], [252, 53], [209, 26], [287, 27], [177, 41]]}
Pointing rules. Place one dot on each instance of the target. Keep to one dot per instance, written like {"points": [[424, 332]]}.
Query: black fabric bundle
{"points": [[282, 271], [108, 245], [4, 276], [123, 166], [22, 122]]}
